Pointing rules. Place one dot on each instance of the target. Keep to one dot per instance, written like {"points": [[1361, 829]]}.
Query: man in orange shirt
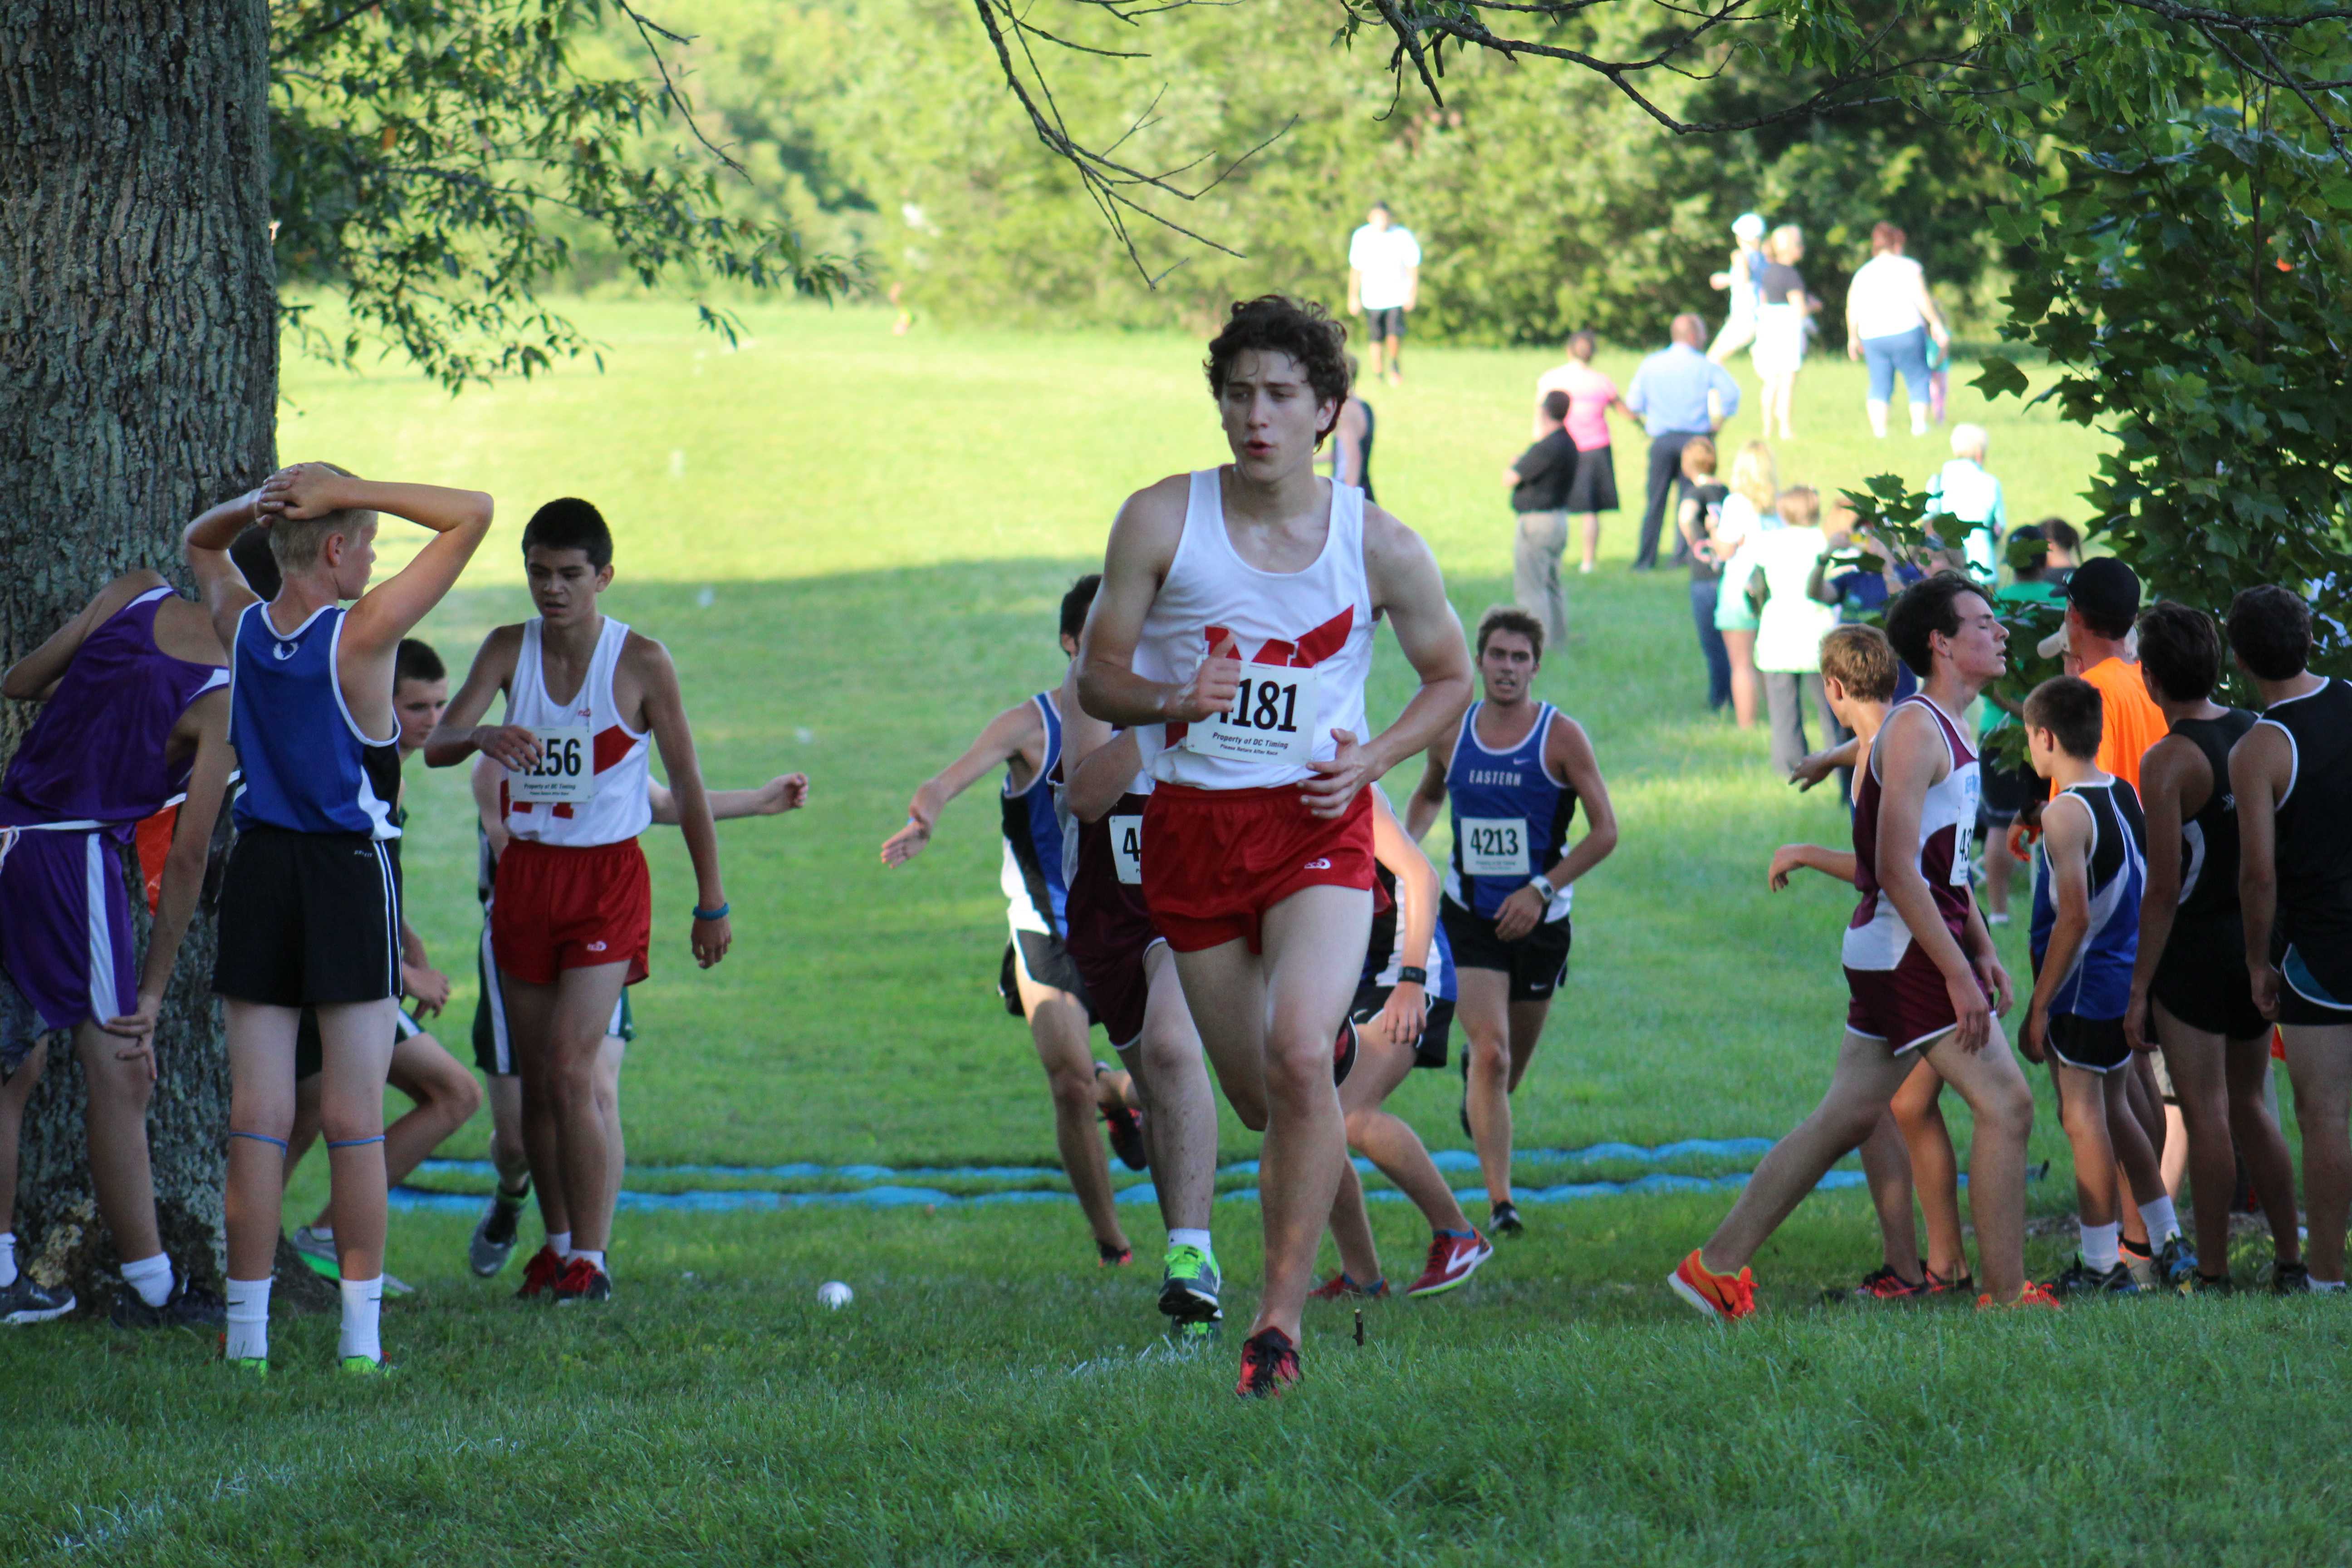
{"points": [[2102, 600], [2101, 603]]}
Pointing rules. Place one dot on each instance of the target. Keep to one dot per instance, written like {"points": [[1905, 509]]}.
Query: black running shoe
{"points": [[24, 1301], [583, 1281], [1504, 1220], [2081, 1279], [1961, 1286], [1126, 1137], [2199, 1284], [2176, 1261], [183, 1309], [2290, 1280], [1343, 1051], [1269, 1365]]}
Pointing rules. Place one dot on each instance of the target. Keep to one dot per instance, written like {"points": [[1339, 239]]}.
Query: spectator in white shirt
{"points": [[1890, 319], [1383, 283]]}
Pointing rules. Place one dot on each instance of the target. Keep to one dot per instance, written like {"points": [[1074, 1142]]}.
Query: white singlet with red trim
{"points": [[615, 808], [1317, 619], [1877, 937]]}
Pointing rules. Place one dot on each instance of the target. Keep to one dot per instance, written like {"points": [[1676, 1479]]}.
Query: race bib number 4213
{"points": [[1494, 846], [566, 771], [1272, 719]]}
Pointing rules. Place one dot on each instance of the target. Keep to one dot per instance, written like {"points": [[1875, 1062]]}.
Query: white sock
{"points": [[595, 1257], [249, 1321], [2163, 1224], [362, 1312], [324, 1232], [8, 1259], [562, 1241], [151, 1278], [1183, 1238], [2100, 1245]]}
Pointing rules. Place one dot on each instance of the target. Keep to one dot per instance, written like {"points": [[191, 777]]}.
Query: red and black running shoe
{"points": [[1883, 1284], [539, 1275], [1339, 1288], [1961, 1285], [1109, 1257], [583, 1281], [1269, 1365], [1343, 1051], [1126, 1128]]}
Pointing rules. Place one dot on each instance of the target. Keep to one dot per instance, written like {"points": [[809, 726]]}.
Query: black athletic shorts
{"points": [[308, 918], [1045, 961], [1436, 1030], [2303, 1002], [2004, 793], [1536, 963], [493, 1047], [1387, 323], [2202, 980], [311, 1047], [2094, 1044]]}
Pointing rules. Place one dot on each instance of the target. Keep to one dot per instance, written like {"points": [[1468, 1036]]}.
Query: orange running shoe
{"points": [[1269, 1365], [1719, 1296], [2035, 1296]]}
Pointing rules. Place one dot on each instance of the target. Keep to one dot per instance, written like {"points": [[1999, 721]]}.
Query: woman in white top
{"points": [[1889, 320], [1789, 632], [1746, 514], [1784, 309]]}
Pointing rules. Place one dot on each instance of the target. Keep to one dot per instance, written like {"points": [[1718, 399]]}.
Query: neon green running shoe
{"points": [[253, 1368], [1187, 1290], [365, 1367]]}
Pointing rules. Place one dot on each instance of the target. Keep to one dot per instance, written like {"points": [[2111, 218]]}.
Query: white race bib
{"points": [[1126, 849], [566, 771], [1272, 719], [1494, 846]]}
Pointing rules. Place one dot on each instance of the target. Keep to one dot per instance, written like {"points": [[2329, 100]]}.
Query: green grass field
{"points": [[853, 544]]}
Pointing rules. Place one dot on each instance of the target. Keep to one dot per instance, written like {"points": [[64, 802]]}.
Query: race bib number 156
{"points": [[566, 770], [1272, 719]]}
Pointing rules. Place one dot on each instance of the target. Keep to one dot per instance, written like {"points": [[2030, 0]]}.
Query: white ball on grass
{"points": [[835, 1294]]}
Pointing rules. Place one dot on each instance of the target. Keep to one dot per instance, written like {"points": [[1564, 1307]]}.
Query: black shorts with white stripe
{"points": [[308, 919]]}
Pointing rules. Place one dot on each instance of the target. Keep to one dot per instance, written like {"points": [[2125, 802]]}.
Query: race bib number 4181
{"points": [[1272, 719], [566, 770]]}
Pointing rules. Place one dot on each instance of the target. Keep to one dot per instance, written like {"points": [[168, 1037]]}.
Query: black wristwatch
{"points": [[1411, 975]]}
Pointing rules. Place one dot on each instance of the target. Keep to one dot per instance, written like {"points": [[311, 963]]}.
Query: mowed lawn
{"points": [[854, 544]]}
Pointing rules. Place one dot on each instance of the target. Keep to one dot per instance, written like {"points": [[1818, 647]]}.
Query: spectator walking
{"points": [[1697, 517], [1784, 312], [1963, 489], [1790, 627], [1678, 393], [1748, 512], [1890, 321], [1384, 284], [1739, 285], [1590, 396], [1539, 483]]}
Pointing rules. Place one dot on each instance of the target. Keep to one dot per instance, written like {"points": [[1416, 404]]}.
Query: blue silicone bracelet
{"points": [[718, 914]]}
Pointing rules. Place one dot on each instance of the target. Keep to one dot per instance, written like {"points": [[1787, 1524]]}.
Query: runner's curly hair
{"points": [[1276, 323]]}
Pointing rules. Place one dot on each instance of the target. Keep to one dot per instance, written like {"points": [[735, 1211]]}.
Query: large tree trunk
{"points": [[138, 383]]}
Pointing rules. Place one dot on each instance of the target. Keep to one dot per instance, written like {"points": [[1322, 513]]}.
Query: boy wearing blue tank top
{"points": [[310, 901], [1514, 769], [2085, 938]]}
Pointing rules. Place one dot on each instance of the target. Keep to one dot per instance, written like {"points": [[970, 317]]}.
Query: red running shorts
{"points": [[558, 907], [1215, 860]]}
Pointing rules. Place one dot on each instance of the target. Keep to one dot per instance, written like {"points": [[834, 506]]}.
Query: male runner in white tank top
{"points": [[1233, 633], [572, 922], [1919, 964]]}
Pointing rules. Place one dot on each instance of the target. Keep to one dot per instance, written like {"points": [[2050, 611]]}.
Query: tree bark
{"points": [[138, 384]]}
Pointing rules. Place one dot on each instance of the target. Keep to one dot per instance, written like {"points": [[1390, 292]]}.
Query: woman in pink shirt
{"points": [[1590, 396]]}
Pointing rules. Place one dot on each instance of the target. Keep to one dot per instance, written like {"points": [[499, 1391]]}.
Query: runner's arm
{"points": [[1789, 857], [1417, 890], [1349, 447], [2165, 773], [665, 712], [1568, 751], [786, 792], [386, 613], [2066, 839], [2259, 766], [1142, 547], [484, 780], [33, 678], [461, 732], [1017, 731], [1404, 581], [1813, 769], [203, 545], [1103, 777], [1429, 795], [182, 880], [1910, 751]]}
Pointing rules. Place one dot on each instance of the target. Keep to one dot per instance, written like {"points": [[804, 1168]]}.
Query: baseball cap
{"points": [[2105, 590], [1748, 226]]}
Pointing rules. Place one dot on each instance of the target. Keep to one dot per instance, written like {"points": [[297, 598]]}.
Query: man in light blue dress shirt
{"points": [[1679, 392]]}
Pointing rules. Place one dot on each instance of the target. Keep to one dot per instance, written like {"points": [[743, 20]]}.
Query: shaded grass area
{"points": [[982, 1400]]}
